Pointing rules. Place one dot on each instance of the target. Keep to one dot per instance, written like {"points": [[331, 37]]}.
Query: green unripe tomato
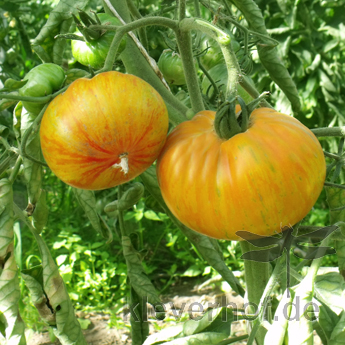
{"points": [[219, 74], [42, 80], [170, 64], [214, 55], [95, 52]]}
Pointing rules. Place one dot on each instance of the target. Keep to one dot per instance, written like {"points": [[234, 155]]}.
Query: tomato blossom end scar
{"points": [[123, 165]]}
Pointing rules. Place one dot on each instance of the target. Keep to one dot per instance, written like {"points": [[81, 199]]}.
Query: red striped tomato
{"points": [[103, 131], [258, 181]]}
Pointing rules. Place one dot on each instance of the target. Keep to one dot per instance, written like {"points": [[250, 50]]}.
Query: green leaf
{"points": [[214, 321], [164, 335], [330, 287], [13, 85], [328, 319], [41, 212], [87, 201], [326, 82], [338, 334], [135, 271], [330, 45], [6, 103], [84, 323], [268, 55], [32, 170], [192, 271], [67, 328], [59, 21], [6, 218], [199, 339], [9, 300], [151, 215]]}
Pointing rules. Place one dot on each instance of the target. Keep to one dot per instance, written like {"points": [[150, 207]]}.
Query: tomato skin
{"points": [[258, 181], [170, 64], [42, 80], [94, 53], [85, 131]]}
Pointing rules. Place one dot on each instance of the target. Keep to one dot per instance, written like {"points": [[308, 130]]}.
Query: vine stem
{"points": [[120, 213], [224, 42], [15, 170], [329, 131]]}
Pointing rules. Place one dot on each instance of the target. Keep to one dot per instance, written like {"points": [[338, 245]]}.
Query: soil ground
{"points": [[177, 302]]}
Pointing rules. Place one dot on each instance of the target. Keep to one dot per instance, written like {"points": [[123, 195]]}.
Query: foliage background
{"points": [[311, 34]]}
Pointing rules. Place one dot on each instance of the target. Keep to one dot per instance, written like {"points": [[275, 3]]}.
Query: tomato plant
{"points": [[252, 181], [170, 64], [104, 131], [42, 80], [93, 52]]}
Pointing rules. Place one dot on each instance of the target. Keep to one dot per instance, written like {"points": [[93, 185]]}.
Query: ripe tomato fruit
{"points": [[258, 181], [103, 131]]}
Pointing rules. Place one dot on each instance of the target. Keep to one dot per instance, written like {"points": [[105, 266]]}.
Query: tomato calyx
{"points": [[225, 122], [230, 121], [83, 24]]}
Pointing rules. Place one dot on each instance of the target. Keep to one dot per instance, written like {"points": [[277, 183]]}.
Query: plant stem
{"points": [[135, 63], [329, 131], [181, 9], [120, 213], [15, 170], [142, 31], [256, 276], [184, 42], [335, 185]]}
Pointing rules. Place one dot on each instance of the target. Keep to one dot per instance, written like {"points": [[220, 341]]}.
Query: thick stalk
{"points": [[256, 276], [184, 42], [224, 42], [329, 131]]}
